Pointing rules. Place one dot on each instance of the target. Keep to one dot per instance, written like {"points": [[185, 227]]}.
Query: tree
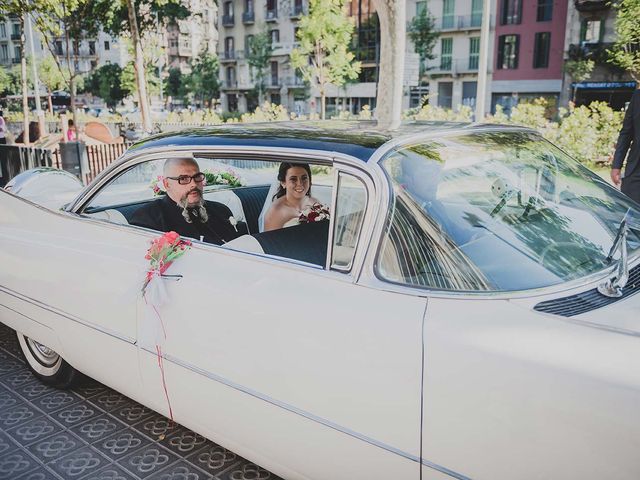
{"points": [[626, 50], [137, 18], [106, 83], [260, 51], [392, 17], [174, 85], [323, 57], [129, 83], [51, 77], [579, 70], [5, 81], [203, 81], [22, 8], [422, 32], [73, 20]]}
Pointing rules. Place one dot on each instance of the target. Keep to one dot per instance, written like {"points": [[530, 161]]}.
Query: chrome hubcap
{"points": [[42, 353]]}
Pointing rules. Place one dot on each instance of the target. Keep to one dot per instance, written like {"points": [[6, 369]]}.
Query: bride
{"points": [[292, 198]]}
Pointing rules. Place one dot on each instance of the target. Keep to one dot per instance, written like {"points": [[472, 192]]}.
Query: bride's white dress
{"points": [[292, 223]]}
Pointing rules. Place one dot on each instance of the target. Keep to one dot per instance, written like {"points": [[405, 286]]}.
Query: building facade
{"points": [[451, 78], [88, 54], [590, 32], [528, 51], [184, 40]]}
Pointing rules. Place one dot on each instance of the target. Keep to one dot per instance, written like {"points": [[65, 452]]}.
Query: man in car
{"points": [[184, 210]]}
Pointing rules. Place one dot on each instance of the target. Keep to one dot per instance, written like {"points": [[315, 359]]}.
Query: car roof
{"points": [[359, 139]]}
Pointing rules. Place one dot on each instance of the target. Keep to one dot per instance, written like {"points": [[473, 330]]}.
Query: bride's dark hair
{"points": [[282, 176]]}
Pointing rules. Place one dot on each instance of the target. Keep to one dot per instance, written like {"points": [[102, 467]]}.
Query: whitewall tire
{"points": [[46, 364]]}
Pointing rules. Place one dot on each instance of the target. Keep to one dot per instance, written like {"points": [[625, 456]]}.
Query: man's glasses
{"points": [[186, 179]]}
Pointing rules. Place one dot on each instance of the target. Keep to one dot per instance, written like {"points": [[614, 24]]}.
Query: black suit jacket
{"points": [[629, 137], [164, 215]]}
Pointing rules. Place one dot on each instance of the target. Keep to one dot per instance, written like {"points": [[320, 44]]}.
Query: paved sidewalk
{"points": [[92, 432]]}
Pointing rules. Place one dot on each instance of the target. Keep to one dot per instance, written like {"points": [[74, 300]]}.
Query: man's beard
{"points": [[198, 209]]}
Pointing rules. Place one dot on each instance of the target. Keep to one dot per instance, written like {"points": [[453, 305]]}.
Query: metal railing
{"points": [[249, 17], [228, 20], [15, 159], [453, 66], [459, 22]]}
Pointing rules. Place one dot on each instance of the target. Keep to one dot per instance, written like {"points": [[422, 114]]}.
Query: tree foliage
{"points": [[323, 56], [258, 57], [5, 82], [626, 50], [580, 70], [422, 32], [202, 82], [106, 83]]}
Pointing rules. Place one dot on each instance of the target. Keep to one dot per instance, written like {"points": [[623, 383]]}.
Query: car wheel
{"points": [[46, 364]]}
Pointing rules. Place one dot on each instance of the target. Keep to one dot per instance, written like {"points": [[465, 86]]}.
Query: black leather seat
{"points": [[306, 242]]}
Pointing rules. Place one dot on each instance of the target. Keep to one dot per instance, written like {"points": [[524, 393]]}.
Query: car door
{"points": [[297, 367], [72, 283]]}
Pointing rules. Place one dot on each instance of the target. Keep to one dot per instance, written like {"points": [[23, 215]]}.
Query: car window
{"points": [[496, 211], [246, 187], [351, 201]]}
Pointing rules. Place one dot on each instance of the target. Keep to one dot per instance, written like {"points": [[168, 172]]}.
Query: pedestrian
{"points": [[3, 129], [629, 141], [71, 131]]}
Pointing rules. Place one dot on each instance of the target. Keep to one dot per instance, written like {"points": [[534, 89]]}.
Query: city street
{"points": [[93, 432]]}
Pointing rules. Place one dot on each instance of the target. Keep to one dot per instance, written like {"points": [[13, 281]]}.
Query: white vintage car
{"points": [[469, 311]]}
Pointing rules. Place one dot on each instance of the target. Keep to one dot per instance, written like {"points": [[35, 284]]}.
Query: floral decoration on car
{"points": [[314, 213], [223, 177], [157, 185], [226, 177], [162, 253]]}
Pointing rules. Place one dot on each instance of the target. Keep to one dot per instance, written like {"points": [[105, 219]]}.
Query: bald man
{"points": [[184, 210]]}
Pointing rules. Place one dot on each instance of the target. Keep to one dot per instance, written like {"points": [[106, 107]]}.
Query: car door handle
{"points": [[173, 278]]}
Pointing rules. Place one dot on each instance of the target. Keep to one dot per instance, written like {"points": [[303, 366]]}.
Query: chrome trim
{"points": [[66, 315], [275, 154], [339, 161], [587, 323], [302, 413]]}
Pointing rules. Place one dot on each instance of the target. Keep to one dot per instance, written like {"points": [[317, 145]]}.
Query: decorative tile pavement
{"points": [[91, 432]]}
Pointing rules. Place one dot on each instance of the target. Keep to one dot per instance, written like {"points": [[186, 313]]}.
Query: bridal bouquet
{"points": [[163, 251], [314, 213]]}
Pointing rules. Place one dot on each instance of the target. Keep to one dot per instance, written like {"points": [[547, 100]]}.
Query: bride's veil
{"points": [[267, 204]]}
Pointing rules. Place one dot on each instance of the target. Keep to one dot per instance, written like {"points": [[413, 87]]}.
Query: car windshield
{"points": [[497, 211]]}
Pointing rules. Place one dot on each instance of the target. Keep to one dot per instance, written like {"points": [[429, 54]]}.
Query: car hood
{"points": [[621, 316], [618, 316]]}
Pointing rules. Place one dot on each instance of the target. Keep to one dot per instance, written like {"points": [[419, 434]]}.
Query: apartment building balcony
{"points": [[274, 81], [229, 84], [590, 51], [299, 10], [15, 37], [271, 15], [228, 56], [185, 51], [293, 82], [591, 5], [283, 48], [459, 22], [5, 61], [453, 66], [228, 20], [16, 60], [249, 17]]}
